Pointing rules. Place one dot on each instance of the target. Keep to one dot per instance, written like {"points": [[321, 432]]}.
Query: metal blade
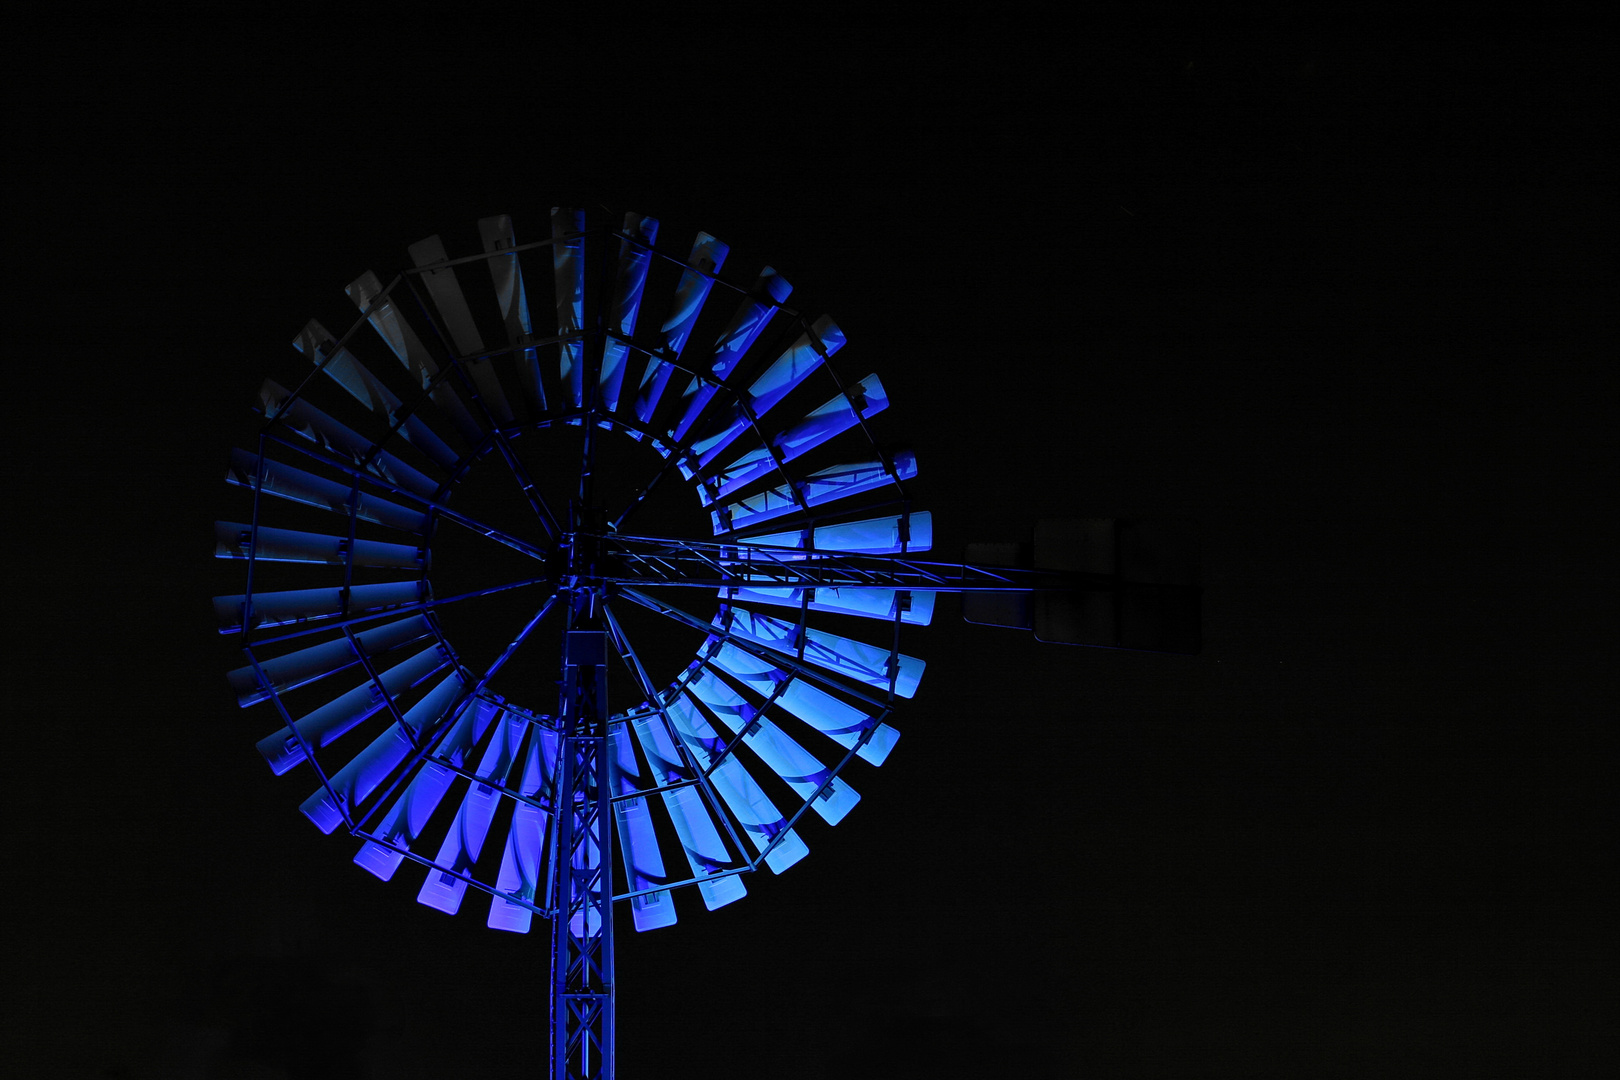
{"points": [[889, 535], [628, 286], [298, 605], [819, 488], [402, 340], [638, 844], [915, 607], [305, 666], [456, 319], [356, 781], [708, 255], [520, 873], [753, 314], [700, 840], [462, 845], [762, 822], [236, 540], [296, 485], [823, 423], [869, 664], [796, 766], [787, 371], [329, 722], [317, 427], [568, 266], [842, 723], [507, 275], [317, 343]]}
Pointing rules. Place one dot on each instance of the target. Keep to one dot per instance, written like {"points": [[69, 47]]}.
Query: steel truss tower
{"points": [[794, 605]]}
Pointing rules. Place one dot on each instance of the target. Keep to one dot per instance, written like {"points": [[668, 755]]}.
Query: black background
{"points": [[1342, 291]]}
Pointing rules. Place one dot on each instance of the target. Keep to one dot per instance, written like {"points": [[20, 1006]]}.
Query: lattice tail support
{"points": [[582, 1018]]}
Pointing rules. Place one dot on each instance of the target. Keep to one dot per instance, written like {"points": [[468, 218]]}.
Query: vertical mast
{"points": [[582, 1022], [582, 929]]}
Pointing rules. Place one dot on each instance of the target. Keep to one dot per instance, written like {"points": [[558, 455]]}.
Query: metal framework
{"points": [[576, 789]]}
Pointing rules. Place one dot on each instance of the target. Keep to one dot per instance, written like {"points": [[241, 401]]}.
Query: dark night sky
{"points": [[1342, 292]]}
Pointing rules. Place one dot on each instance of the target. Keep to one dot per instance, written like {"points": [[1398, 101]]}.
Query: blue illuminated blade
{"points": [[638, 845], [916, 607], [521, 861], [327, 723], [568, 266], [296, 485], [234, 540], [299, 605], [444, 889], [403, 341], [318, 661], [456, 320], [762, 823], [824, 422], [856, 660], [786, 758], [787, 371], [404, 820], [317, 343], [708, 255], [890, 535], [705, 851], [842, 723], [507, 275], [627, 289], [753, 314], [819, 488], [356, 781], [318, 428]]}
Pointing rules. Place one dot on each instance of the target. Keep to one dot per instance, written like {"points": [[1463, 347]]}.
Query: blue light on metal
{"points": [[507, 277], [635, 257], [872, 536], [818, 341], [708, 256], [753, 314], [377, 306], [834, 483], [454, 318], [561, 811], [865, 399], [568, 267]]}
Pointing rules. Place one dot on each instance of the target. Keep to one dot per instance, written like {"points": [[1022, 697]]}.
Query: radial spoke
{"points": [[500, 661]]}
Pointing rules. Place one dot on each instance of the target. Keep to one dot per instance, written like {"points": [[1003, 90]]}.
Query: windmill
{"points": [[783, 587]]}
